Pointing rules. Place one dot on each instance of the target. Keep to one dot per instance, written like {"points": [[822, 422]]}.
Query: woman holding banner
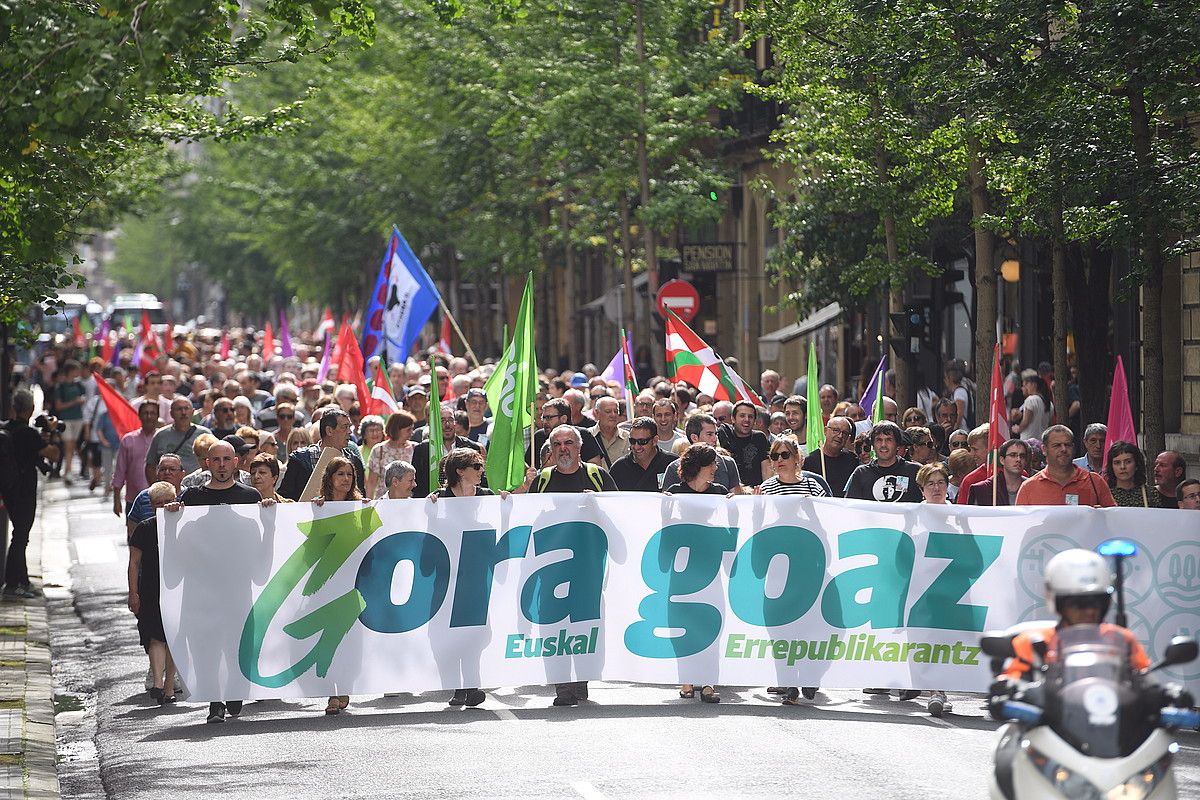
{"points": [[934, 479], [144, 596], [338, 483]]}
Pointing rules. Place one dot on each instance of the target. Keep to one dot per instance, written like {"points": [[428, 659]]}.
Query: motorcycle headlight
{"points": [[1137, 786], [1141, 784]]}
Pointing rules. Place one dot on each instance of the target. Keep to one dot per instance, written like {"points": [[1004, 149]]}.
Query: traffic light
{"points": [[950, 279]]}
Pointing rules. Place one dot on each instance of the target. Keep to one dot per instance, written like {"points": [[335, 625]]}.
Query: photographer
{"points": [[23, 450]]}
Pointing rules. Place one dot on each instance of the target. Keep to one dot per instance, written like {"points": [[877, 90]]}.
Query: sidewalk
{"points": [[27, 742]]}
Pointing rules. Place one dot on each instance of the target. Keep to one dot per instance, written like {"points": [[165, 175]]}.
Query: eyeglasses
{"points": [[640, 442], [935, 484], [475, 466], [921, 443], [724, 418], [784, 456], [835, 432], [1189, 497], [548, 417]]}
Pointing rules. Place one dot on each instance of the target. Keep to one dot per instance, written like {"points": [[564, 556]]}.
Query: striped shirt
{"points": [[809, 487]]}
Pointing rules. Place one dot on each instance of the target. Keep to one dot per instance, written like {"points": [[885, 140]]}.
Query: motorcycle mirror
{"points": [[1117, 548], [997, 645], [1181, 650]]}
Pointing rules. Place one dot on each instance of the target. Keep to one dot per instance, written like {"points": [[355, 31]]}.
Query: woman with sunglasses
{"points": [[921, 450], [789, 478], [463, 471], [934, 480]]}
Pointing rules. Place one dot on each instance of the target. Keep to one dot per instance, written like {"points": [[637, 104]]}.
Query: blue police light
{"points": [[1120, 548]]}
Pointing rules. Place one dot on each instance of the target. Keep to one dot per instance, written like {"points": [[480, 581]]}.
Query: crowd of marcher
{"points": [[248, 428]]}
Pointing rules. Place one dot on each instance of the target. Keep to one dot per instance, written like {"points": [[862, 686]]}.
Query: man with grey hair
{"points": [[1094, 437], [399, 477], [722, 412], [613, 440], [569, 473], [175, 439], [576, 400]]}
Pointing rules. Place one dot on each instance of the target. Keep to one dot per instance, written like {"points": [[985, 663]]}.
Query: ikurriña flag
{"points": [[690, 359]]}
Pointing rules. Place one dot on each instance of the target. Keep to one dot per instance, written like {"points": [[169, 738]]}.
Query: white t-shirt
{"points": [[1039, 416], [961, 394]]}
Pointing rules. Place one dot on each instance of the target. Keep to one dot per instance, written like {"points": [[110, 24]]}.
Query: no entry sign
{"points": [[679, 296]]}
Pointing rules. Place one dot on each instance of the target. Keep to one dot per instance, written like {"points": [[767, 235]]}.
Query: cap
{"points": [[418, 390], [579, 381], [240, 445], [475, 391], [424, 380]]}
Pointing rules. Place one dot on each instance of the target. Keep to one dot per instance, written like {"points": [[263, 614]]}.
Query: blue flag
{"points": [[403, 300]]}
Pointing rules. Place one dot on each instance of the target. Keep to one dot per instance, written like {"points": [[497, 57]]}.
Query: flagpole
{"points": [[821, 450], [458, 330], [995, 473], [532, 431]]}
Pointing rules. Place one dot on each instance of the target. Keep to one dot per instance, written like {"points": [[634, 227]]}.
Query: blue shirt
{"points": [[141, 510]]}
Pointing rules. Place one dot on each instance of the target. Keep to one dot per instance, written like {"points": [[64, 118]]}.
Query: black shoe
{"points": [[459, 698], [909, 694], [791, 697], [809, 692], [166, 700], [877, 691], [234, 707], [776, 690], [216, 712], [474, 697], [156, 694], [581, 691], [565, 698]]}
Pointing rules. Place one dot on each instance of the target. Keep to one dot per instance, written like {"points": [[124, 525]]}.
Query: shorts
{"points": [[91, 454], [74, 427]]}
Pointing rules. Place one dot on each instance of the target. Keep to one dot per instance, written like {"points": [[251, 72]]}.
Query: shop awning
{"points": [[768, 345], [610, 302]]}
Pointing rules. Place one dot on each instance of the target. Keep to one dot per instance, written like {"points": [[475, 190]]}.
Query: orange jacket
{"points": [[1025, 658]]}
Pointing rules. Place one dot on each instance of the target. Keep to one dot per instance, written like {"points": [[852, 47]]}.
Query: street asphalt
{"points": [[628, 740]]}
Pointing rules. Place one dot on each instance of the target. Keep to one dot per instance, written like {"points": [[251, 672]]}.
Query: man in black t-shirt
{"points": [[832, 462], [645, 468], [22, 450], [747, 446], [570, 473], [888, 478], [222, 489]]}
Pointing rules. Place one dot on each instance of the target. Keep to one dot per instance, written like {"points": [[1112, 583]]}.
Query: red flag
{"points": [[1120, 415], [225, 345], [106, 350], [326, 324], [169, 337], [124, 416], [444, 341], [268, 345], [76, 332], [998, 430], [335, 360], [351, 368], [382, 401]]}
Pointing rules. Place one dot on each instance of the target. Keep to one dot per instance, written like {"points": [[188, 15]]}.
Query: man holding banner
{"points": [[570, 474]]}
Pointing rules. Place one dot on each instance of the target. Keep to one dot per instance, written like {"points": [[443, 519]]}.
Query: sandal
{"points": [[709, 695], [344, 701], [687, 694], [334, 707]]}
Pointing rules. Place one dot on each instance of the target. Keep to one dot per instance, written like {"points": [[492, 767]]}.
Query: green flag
{"points": [[437, 447], [815, 429], [877, 410], [511, 391]]}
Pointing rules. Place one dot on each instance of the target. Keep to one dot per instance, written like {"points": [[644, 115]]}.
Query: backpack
{"points": [[593, 473]]}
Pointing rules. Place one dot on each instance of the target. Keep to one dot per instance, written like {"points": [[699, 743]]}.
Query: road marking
{"points": [[587, 791], [504, 713], [95, 550]]}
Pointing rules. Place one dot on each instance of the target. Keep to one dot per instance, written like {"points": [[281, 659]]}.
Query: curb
{"points": [[28, 752]]}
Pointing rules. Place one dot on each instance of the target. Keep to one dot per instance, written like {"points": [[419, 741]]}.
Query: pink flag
{"points": [[1120, 415], [225, 345]]}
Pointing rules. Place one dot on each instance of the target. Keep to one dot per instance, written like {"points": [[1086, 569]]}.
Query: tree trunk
{"points": [[1058, 290], [628, 310], [1150, 234], [899, 355], [985, 276], [566, 297], [1091, 313], [643, 160]]}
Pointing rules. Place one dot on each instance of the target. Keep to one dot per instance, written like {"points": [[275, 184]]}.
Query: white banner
{"points": [[408, 595]]}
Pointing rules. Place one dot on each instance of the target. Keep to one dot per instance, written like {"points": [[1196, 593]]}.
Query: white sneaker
{"points": [[938, 704]]}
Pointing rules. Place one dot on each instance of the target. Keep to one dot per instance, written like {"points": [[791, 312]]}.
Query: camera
{"points": [[43, 422]]}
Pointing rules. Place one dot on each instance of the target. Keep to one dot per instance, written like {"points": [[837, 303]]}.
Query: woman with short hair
{"points": [[335, 488], [395, 447]]}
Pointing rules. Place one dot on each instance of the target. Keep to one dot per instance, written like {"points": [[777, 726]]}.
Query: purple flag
{"points": [[874, 388], [324, 370], [285, 338], [615, 371]]}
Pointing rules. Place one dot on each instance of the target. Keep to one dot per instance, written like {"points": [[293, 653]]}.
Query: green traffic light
{"points": [[712, 196]]}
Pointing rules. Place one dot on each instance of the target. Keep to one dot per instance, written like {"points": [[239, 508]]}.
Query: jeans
{"points": [[16, 571]]}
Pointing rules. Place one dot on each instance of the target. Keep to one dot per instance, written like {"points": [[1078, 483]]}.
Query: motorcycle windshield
{"points": [[1098, 710]]}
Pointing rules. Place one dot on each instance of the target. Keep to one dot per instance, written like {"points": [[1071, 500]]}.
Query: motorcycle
{"points": [[1088, 725]]}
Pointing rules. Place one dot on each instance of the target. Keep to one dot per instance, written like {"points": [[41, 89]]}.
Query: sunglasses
{"points": [[286, 416], [784, 456], [640, 442], [474, 466]]}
